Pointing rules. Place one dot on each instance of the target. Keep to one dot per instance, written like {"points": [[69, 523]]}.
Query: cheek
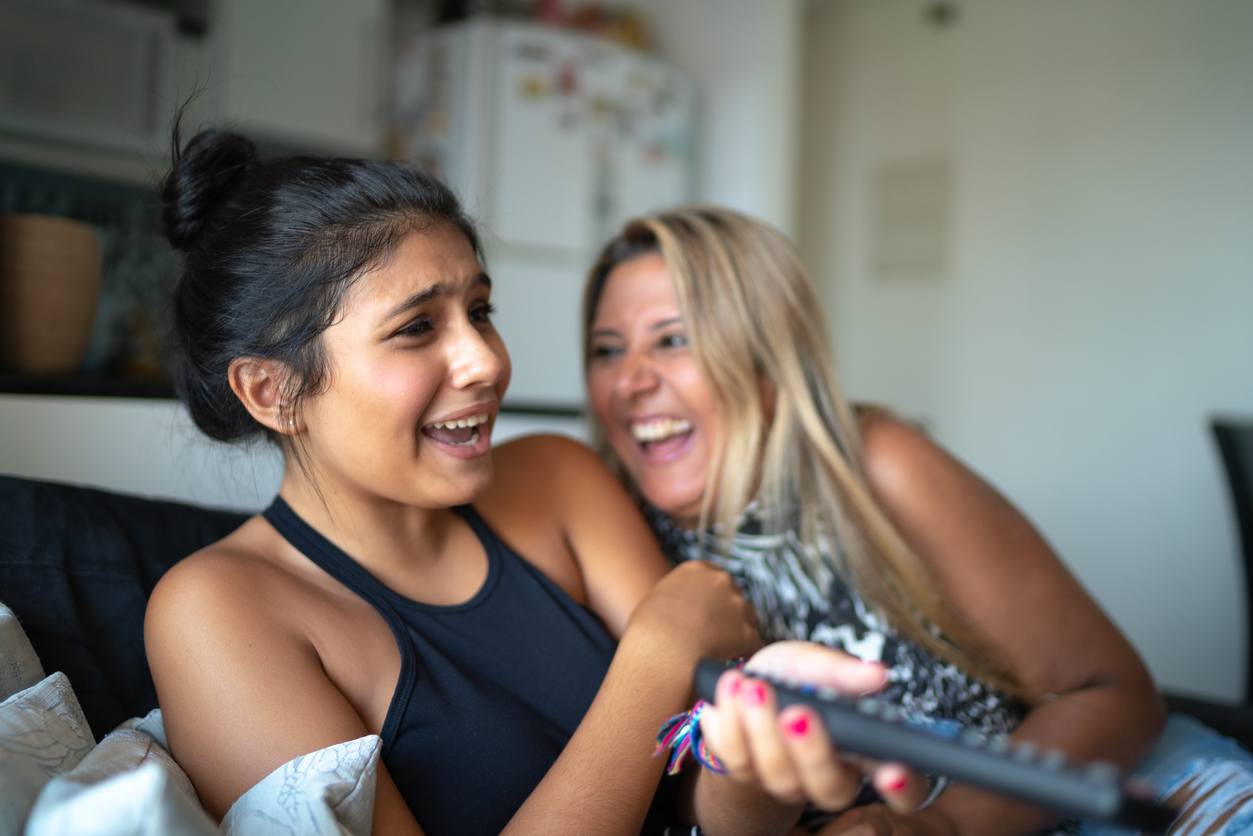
{"points": [[598, 395], [506, 367], [697, 396], [401, 389]]}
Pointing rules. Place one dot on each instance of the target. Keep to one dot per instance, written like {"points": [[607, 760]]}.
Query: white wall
{"points": [[1097, 304], [744, 56]]}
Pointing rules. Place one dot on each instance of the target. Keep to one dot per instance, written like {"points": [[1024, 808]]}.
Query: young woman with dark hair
{"points": [[502, 618]]}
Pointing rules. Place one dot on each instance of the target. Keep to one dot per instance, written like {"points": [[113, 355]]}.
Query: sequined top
{"points": [[796, 602]]}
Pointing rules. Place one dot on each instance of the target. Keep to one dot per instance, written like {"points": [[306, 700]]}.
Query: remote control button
{"points": [[1102, 771], [1025, 751], [868, 706], [1052, 759], [974, 737], [999, 744]]}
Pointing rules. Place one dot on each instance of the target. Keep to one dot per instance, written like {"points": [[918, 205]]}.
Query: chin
{"points": [[679, 507], [475, 488], [464, 489]]}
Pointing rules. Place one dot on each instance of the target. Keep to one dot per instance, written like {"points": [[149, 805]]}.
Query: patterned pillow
{"points": [[19, 666], [143, 801], [128, 784], [330, 791], [151, 724], [43, 733]]}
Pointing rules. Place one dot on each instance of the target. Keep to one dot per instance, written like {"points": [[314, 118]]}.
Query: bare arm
{"points": [[605, 779], [999, 573], [239, 694]]}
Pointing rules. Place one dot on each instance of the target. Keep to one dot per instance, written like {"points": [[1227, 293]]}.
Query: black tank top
{"points": [[490, 690]]}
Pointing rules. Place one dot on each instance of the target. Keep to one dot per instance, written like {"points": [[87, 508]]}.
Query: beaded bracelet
{"points": [[681, 735]]}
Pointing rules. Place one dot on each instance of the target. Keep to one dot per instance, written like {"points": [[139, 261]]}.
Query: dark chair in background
{"points": [[1235, 446]]}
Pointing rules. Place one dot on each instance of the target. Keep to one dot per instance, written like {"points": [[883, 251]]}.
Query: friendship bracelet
{"points": [[681, 735]]}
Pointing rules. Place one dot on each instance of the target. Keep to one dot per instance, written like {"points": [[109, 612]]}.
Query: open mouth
{"points": [[661, 437], [463, 432]]}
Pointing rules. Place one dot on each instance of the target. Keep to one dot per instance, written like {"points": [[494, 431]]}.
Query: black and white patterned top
{"points": [[818, 606], [791, 603]]}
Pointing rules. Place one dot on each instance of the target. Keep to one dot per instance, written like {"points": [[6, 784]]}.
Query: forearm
{"points": [[725, 807], [1115, 723], [605, 778]]}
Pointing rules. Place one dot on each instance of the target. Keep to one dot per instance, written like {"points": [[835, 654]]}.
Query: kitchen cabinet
{"points": [[308, 74], [552, 139], [92, 88], [49, 92]]}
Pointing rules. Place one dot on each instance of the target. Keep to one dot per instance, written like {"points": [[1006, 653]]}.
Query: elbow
{"points": [[1143, 709], [1154, 709]]}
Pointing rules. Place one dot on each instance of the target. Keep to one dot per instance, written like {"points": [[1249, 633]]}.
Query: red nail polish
{"points": [[733, 687], [898, 785], [798, 726], [755, 693]]}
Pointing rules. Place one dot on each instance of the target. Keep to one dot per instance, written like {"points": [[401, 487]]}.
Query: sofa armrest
{"points": [[1231, 719], [77, 565]]}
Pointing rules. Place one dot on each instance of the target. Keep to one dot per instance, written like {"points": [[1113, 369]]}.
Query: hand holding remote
{"points": [[786, 751], [868, 727]]}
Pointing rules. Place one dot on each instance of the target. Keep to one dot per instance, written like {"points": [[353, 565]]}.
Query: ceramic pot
{"points": [[50, 269]]}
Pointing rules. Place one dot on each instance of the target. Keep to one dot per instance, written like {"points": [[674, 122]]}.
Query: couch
{"points": [[83, 749], [77, 566]]}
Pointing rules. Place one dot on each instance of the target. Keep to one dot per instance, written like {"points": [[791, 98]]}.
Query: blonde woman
{"points": [[714, 398]]}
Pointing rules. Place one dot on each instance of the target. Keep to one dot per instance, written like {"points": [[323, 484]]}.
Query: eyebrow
{"points": [[656, 326], [434, 291]]}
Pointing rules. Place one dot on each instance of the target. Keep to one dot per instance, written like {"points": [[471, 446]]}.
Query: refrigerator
{"points": [[552, 139]]}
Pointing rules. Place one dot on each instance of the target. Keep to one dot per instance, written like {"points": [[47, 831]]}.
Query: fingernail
{"points": [[733, 685], [798, 726], [755, 693], [898, 785]]}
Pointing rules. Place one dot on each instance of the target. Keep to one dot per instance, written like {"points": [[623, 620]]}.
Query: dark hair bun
{"points": [[205, 171]]}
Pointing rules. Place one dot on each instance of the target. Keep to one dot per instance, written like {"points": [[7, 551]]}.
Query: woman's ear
{"points": [[260, 386]]}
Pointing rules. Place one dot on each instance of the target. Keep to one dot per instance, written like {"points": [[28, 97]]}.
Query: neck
{"points": [[376, 532]]}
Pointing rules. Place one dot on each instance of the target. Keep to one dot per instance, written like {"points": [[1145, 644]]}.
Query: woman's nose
{"points": [[476, 359], [637, 375]]}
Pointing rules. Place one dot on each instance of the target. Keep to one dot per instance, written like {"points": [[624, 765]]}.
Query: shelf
{"points": [[96, 386]]}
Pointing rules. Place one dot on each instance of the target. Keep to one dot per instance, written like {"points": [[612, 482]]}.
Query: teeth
{"points": [[659, 429], [462, 423]]}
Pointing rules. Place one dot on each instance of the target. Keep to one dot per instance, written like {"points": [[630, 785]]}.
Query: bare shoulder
{"points": [[230, 605], [952, 517], [221, 583], [902, 464], [548, 449], [548, 471], [573, 518], [241, 686]]}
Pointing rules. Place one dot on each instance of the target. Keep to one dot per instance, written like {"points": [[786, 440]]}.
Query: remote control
{"points": [[877, 729]]}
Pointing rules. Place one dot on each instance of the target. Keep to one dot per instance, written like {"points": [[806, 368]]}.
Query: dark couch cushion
{"points": [[77, 565]]}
